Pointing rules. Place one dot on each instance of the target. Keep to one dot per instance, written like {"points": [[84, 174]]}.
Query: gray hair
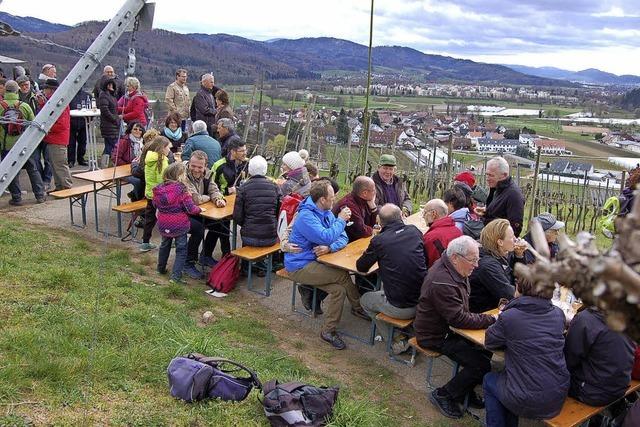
{"points": [[500, 163], [133, 81], [199, 126], [227, 124], [437, 205], [389, 213], [461, 246], [206, 77]]}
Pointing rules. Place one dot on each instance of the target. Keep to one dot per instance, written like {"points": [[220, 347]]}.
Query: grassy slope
{"points": [[50, 282]]}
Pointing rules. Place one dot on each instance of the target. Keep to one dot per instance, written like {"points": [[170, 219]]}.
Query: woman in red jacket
{"points": [[133, 104]]}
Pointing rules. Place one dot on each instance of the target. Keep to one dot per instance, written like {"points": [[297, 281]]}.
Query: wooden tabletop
{"points": [[345, 258], [417, 220], [216, 213], [105, 175], [474, 335]]}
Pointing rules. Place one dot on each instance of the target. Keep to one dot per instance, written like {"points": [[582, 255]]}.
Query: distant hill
{"points": [[28, 24], [236, 59], [591, 75]]}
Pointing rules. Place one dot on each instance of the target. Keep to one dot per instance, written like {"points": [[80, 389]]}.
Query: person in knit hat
{"points": [[295, 177], [467, 177]]}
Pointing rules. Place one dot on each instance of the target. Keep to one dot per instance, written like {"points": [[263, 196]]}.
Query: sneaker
{"points": [[146, 247], [41, 199], [334, 339], [359, 312], [15, 202], [400, 346], [191, 271], [207, 261], [176, 281], [131, 195], [474, 401], [446, 405]]}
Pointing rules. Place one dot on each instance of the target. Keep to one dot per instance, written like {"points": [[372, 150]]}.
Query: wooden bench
{"points": [[575, 413], [282, 273], [393, 325], [77, 197], [431, 356], [133, 208], [253, 254]]}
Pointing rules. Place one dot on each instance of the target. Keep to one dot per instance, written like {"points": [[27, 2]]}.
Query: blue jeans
{"points": [[181, 255], [497, 414], [138, 186], [46, 172]]}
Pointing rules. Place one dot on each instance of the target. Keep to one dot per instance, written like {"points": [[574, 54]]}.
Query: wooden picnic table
{"points": [[345, 258], [417, 220], [476, 336], [215, 213], [104, 179]]}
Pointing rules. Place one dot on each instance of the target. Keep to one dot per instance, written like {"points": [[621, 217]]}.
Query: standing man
{"points": [[203, 106], [177, 97], [48, 72], [316, 231], [78, 135], [27, 95], [444, 303], [399, 252], [57, 140], [389, 187], [442, 230], [226, 130], [9, 134], [107, 74], [505, 197], [364, 211]]}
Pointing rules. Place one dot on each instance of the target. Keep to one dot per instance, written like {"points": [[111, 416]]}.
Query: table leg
{"points": [[95, 205], [118, 214], [92, 146], [234, 235]]}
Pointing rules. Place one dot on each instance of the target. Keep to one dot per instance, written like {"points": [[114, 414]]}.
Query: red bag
{"points": [[288, 209], [225, 274], [635, 372]]}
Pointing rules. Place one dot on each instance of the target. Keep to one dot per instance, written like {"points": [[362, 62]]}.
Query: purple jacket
{"points": [[174, 204], [535, 381]]}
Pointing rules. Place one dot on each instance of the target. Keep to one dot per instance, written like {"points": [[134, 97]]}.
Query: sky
{"points": [[568, 34]]}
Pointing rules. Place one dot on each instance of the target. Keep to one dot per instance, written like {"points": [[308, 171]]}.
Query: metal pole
{"points": [[450, 158], [248, 124], [77, 77], [364, 150], [535, 183], [432, 190]]}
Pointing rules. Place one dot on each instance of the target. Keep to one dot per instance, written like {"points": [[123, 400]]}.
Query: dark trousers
{"points": [[149, 221], [45, 171], [109, 145], [196, 235], [77, 141], [34, 176], [474, 362], [181, 255], [138, 187], [219, 230], [497, 414]]}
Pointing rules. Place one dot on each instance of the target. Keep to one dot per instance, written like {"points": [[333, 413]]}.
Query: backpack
{"points": [[13, 115], [225, 274], [296, 404], [472, 227], [288, 208], [195, 377]]}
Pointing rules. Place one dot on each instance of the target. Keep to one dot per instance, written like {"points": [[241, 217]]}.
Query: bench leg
{"points": [[294, 288], [391, 333], [267, 277], [430, 385]]}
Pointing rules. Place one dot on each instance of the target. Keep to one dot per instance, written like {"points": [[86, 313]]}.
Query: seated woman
{"points": [[493, 278], [128, 150], [456, 201], [173, 132], [295, 178], [599, 359], [535, 381]]}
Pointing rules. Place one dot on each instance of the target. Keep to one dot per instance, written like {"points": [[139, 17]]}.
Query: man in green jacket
{"points": [[12, 108]]}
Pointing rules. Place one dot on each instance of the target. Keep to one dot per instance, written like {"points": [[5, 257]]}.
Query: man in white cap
{"points": [[551, 227], [48, 72]]}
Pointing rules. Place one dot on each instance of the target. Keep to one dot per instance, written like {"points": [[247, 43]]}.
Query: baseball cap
{"points": [[387, 160], [549, 222]]}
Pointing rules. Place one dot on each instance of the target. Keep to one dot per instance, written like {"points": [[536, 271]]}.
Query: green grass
{"points": [[86, 340]]}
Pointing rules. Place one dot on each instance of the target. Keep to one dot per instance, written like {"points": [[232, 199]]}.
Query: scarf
{"points": [[177, 135], [136, 146]]}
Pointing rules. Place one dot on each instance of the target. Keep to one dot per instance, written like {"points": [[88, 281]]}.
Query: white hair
{"points": [[227, 124], [500, 163], [206, 77], [257, 166], [439, 206], [133, 81], [461, 246], [199, 126]]}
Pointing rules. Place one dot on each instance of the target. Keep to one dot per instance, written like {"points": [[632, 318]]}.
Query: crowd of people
{"points": [[449, 276]]}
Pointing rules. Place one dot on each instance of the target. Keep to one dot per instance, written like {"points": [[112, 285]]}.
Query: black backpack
{"points": [[295, 404]]}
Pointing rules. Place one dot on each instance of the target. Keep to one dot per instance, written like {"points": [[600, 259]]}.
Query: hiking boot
{"points": [[15, 202], [334, 339], [446, 405], [474, 401], [191, 271], [359, 312], [207, 261], [146, 247], [400, 346]]}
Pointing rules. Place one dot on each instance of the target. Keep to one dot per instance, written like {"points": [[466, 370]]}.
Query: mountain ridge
{"points": [[589, 75]]}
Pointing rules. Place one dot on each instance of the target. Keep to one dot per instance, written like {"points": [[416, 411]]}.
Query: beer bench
{"points": [[253, 254], [77, 197]]}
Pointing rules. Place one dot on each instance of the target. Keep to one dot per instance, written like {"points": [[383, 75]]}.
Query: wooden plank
{"points": [[345, 258], [105, 175], [474, 335], [131, 207], [252, 253], [413, 342], [72, 192], [398, 323], [574, 413], [216, 213], [417, 220]]}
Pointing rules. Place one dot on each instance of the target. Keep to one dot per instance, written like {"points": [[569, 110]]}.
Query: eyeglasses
{"points": [[136, 129], [473, 261]]}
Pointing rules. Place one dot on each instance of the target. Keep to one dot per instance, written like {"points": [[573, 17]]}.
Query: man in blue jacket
{"points": [[316, 231]]}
